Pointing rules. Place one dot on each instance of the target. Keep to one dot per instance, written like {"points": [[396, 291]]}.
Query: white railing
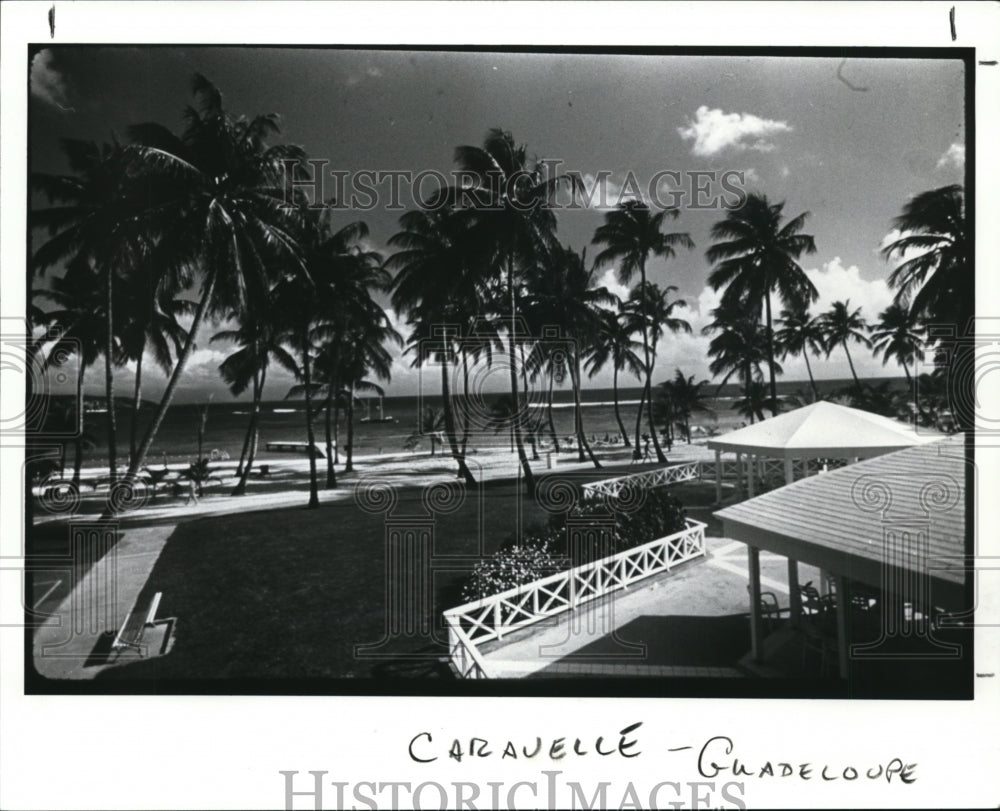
{"points": [[650, 478], [710, 470], [475, 623]]}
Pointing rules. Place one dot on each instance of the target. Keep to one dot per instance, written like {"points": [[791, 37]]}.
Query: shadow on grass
{"points": [[288, 594]]}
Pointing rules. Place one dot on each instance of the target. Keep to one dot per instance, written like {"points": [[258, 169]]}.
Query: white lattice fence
{"points": [[492, 617], [612, 488]]}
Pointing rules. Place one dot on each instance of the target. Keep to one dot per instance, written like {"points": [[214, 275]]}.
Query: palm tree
{"points": [[842, 325], [632, 235], [259, 341], [648, 303], [679, 399], [296, 305], [434, 288], [80, 317], [899, 335], [615, 344], [939, 282], [95, 223], [754, 256], [563, 294], [510, 227], [754, 400], [366, 354], [739, 347], [150, 322], [221, 211], [800, 334], [346, 273]]}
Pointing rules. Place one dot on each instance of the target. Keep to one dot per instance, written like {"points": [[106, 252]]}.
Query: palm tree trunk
{"points": [[310, 436], [250, 442], [250, 423], [78, 449], [581, 438], [618, 412], [449, 425], [636, 454], [331, 473], [246, 444], [136, 402], [109, 378], [168, 394], [350, 431], [660, 457], [552, 424], [532, 424], [770, 354], [857, 383], [805, 354], [336, 418], [467, 415], [529, 479]]}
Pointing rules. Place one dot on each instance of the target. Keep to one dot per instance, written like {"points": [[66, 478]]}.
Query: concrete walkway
{"points": [[714, 587], [72, 643]]}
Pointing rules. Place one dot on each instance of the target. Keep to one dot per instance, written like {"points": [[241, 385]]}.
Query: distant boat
{"points": [[368, 418]]}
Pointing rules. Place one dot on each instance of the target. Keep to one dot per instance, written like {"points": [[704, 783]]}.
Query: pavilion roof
{"points": [[905, 509], [823, 429]]}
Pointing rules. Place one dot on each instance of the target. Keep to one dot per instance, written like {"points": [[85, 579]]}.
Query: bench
{"points": [[135, 625]]}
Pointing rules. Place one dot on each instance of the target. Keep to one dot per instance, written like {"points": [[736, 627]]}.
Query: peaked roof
{"points": [[823, 430], [905, 509]]}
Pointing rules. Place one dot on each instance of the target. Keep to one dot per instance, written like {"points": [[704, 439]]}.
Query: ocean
{"points": [[284, 421]]}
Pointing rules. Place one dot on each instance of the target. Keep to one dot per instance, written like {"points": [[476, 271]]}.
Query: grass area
{"points": [[289, 593]]}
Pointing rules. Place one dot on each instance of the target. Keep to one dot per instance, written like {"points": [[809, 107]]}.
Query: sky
{"points": [[848, 141]]}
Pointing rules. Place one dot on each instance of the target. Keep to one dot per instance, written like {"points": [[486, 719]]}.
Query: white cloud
{"points": [[837, 283], [610, 281], [46, 82], [954, 156], [714, 131]]}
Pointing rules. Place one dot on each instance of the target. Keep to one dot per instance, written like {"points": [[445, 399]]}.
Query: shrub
{"points": [[660, 514], [544, 549], [516, 563]]}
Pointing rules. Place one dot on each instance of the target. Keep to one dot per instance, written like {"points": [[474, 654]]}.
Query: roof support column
{"points": [[794, 595], [789, 471], [739, 476], [842, 641], [751, 473], [718, 476], [756, 626]]}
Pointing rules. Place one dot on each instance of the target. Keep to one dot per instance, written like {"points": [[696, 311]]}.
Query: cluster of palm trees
{"points": [[490, 282], [210, 225], [755, 259], [212, 212]]}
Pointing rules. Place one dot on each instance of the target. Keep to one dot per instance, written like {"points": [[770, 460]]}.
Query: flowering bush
{"points": [[660, 514], [568, 541], [516, 563]]}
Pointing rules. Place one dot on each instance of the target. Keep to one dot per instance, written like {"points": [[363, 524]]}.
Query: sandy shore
{"points": [[288, 481]]}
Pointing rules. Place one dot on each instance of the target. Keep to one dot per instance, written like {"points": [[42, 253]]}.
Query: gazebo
{"points": [[800, 438], [893, 525]]}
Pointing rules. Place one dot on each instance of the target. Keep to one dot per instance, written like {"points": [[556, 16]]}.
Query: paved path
{"points": [[712, 587]]}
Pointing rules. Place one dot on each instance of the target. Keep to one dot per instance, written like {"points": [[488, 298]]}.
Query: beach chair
{"points": [[770, 608]]}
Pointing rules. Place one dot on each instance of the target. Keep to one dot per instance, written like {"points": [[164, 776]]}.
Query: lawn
{"points": [[288, 594]]}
